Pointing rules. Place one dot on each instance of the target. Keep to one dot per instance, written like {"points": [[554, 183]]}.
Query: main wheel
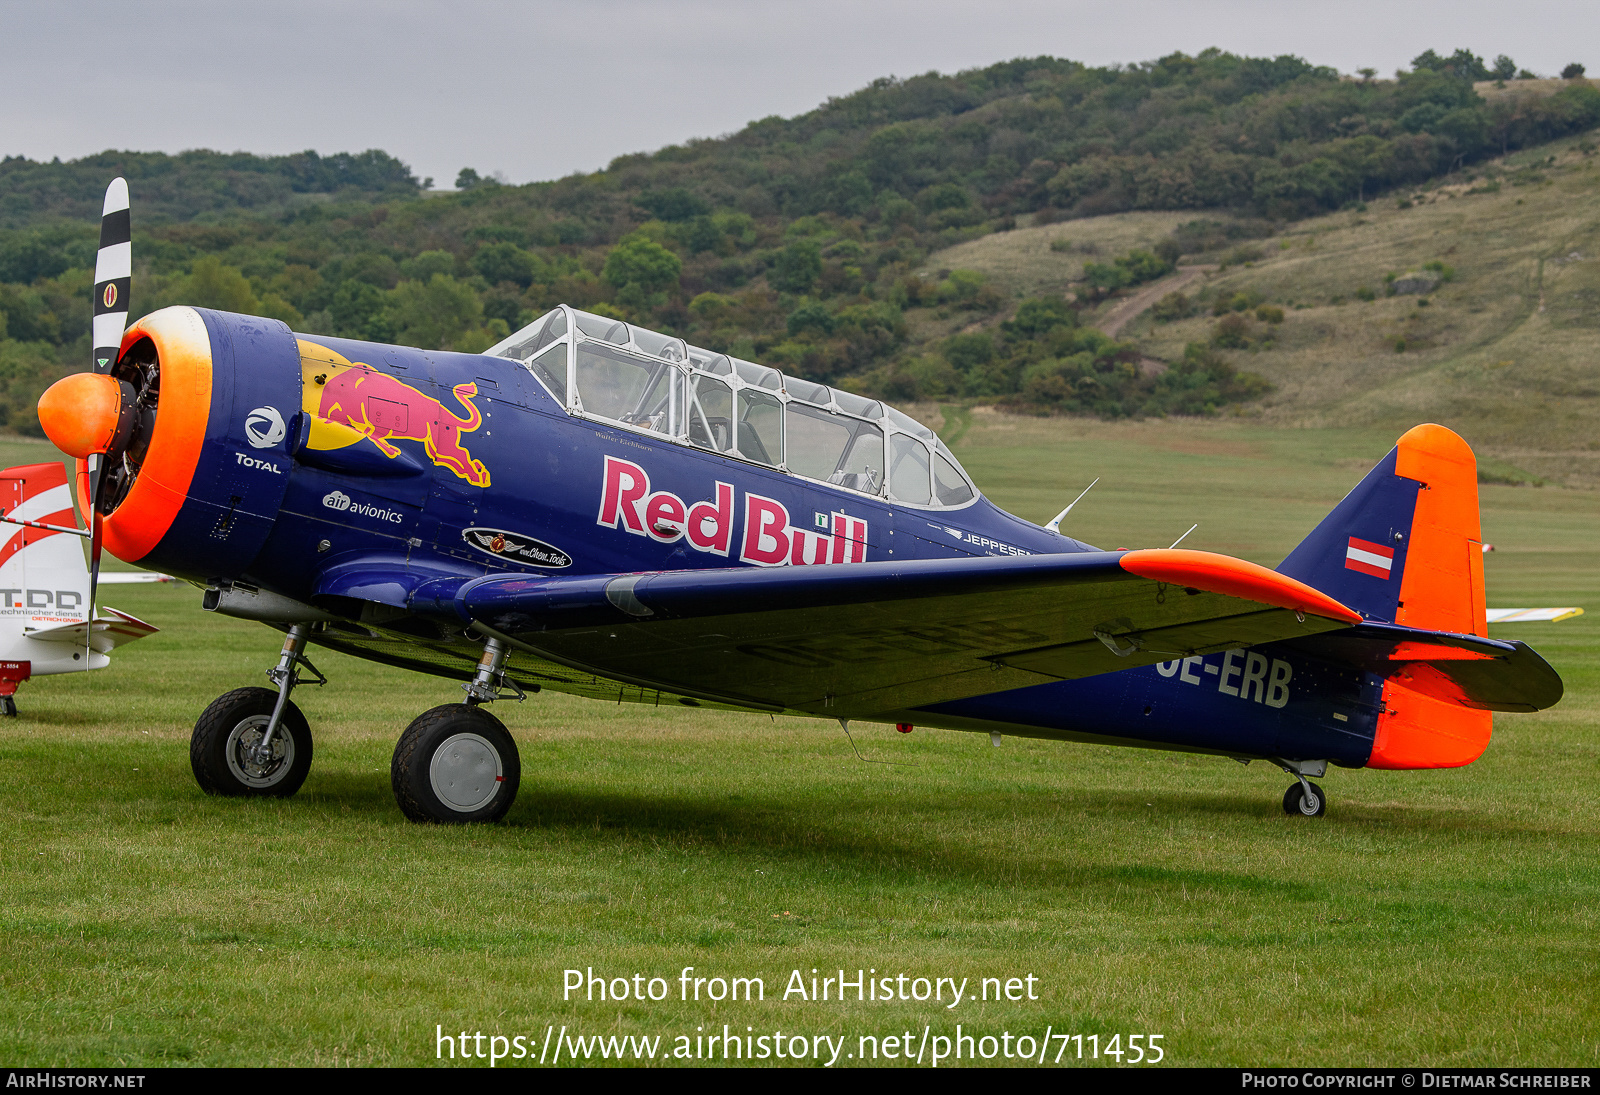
{"points": [[455, 763], [1297, 802], [224, 754]]}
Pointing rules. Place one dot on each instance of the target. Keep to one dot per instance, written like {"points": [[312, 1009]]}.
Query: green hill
{"points": [[1506, 349], [872, 242]]}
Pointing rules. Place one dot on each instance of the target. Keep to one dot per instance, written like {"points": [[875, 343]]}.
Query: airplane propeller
{"points": [[113, 275]]}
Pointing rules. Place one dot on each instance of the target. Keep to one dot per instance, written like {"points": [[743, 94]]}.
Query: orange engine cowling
{"points": [[185, 486]]}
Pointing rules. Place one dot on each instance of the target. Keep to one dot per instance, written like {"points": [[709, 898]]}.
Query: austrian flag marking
{"points": [[1369, 558]]}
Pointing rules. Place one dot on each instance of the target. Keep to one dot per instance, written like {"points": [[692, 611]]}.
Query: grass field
{"points": [[1434, 917]]}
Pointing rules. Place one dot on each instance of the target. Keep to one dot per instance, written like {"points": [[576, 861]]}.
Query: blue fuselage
{"points": [[574, 495]]}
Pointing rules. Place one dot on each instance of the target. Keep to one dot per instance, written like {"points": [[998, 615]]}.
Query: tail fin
{"points": [[1405, 546], [44, 574]]}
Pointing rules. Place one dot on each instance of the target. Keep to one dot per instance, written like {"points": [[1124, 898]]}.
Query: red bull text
{"points": [[768, 537]]}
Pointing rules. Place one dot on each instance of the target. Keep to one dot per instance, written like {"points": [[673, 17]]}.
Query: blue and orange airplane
{"points": [[594, 508]]}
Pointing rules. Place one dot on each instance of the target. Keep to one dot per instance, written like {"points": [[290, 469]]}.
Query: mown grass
{"points": [[1439, 917]]}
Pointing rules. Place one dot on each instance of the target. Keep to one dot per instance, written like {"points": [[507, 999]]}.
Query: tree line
{"points": [[798, 242]]}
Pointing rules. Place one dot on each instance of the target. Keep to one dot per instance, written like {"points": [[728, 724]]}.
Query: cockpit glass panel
{"points": [[759, 375], [907, 423], [804, 389], [658, 410], [711, 415], [532, 338], [908, 470], [663, 346], [709, 362], [625, 388], [950, 488], [760, 434], [862, 466], [857, 404], [817, 440], [551, 368], [603, 328]]}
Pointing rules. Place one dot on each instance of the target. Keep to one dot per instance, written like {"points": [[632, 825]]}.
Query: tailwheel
{"points": [[455, 763], [228, 753], [1305, 799]]}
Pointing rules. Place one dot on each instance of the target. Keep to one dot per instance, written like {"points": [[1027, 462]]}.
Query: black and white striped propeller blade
{"points": [[113, 270], [113, 274]]}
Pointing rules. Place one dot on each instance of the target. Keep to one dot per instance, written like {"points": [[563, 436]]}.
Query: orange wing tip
{"points": [[1234, 578]]}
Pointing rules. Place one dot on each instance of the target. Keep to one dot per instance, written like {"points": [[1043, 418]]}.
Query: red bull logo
{"points": [[352, 401], [768, 537]]}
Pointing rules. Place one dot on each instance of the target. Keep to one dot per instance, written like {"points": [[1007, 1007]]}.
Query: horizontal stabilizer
{"points": [[104, 635], [1465, 670]]}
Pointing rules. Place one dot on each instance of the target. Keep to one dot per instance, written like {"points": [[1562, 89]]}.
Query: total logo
{"points": [[767, 539], [264, 428], [340, 501], [257, 463]]}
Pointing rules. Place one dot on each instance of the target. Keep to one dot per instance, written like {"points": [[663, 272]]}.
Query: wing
{"points": [[1531, 615], [857, 640]]}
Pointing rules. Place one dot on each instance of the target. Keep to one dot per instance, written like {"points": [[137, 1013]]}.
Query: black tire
{"points": [[1296, 804], [455, 763], [234, 722]]}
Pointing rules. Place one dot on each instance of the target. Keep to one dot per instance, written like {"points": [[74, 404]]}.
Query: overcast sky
{"points": [[537, 90]]}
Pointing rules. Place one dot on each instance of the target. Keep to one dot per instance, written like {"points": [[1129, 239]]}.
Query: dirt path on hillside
{"points": [[1125, 312]]}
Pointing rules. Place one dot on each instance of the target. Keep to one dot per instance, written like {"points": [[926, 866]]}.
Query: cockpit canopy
{"points": [[604, 368]]}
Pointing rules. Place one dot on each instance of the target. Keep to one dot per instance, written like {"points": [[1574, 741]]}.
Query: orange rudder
{"points": [[1423, 726]]}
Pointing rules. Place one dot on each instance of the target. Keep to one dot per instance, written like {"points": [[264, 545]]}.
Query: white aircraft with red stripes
{"points": [[45, 624]]}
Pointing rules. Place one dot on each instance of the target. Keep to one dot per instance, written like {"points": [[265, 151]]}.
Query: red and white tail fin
{"points": [[44, 581], [44, 585]]}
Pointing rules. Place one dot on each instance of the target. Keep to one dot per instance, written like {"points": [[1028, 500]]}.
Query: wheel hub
{"points": [[466, 772], [252, 765]]}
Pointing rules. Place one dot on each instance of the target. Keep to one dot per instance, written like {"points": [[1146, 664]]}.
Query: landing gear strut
{"points": [[457, 762], [1303, 798], [254, 741]]}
